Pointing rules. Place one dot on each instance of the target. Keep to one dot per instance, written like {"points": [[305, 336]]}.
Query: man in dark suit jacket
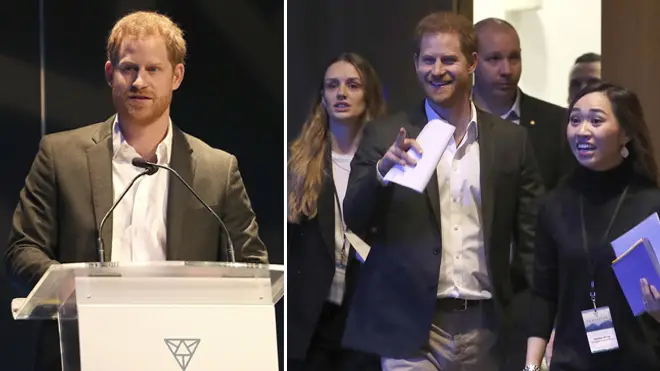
{"points": [[496, 91], [434, 285], [77, 175]]}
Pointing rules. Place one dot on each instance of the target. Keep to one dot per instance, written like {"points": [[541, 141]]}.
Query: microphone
{"points": [[99, 240], [150, 166]]}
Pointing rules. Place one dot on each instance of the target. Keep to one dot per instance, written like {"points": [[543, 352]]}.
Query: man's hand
{"points": [[651, 298], [397, 153]]}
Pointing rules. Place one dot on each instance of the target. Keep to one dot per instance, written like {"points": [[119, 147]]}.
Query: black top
{"points": [[562, 279]]}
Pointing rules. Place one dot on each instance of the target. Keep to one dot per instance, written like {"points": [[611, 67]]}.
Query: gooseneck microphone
{"points": [[139, 162], [101, 249]]}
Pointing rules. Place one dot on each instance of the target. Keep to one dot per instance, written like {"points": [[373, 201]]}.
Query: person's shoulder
{"points": [[552, 201], [546, 107], [206, 152], [501, 125], [648, 194], [84, 135], [395, 119], [386, 127]]}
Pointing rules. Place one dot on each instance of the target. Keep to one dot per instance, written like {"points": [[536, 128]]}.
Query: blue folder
{"points": [[639, 261]]}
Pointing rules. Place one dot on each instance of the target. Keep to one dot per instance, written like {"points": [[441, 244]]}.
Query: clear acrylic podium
{"points": [[165, 316]]}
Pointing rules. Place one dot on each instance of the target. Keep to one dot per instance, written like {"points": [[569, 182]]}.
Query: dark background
{"points": [[380, 31], [231, 97]]}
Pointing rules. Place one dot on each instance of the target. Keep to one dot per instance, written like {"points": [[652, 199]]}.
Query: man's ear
{"points": [[473, 66], [109, 69], [177, 78]]}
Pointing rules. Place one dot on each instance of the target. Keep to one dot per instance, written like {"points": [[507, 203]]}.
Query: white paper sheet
{"points": [[361, 247], [433, 140], [649, 228]]}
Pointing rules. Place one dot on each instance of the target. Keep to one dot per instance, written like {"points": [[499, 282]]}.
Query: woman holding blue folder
{"points": [[613, 188]]}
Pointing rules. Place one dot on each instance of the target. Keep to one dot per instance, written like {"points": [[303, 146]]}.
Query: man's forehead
{"points": [[149, 49], [134, 43], [503, 39]]}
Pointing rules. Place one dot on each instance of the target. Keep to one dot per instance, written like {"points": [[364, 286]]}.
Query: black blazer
{"points": [[546, 127], [310, 270], [394, 301]]}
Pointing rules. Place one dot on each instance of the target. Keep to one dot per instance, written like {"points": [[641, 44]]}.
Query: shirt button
{"points": [[455, 227], [436, 251]]}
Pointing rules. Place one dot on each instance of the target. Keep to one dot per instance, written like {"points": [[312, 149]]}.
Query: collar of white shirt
{"points": [[515, 108], [123, 152], [472, 125]]}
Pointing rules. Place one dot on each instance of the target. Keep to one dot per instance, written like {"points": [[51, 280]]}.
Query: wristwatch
{"points": [[532, 368]]}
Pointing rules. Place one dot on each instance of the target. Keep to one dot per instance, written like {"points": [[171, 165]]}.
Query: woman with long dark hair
{"points": [[321, 263], [613, 188]]}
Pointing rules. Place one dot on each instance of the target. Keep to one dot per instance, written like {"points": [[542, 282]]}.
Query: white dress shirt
{"points": [[463, 268], [139, 221]]}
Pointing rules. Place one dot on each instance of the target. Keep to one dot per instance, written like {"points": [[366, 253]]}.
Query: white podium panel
{"points": [[178, 316], [175, 338]]}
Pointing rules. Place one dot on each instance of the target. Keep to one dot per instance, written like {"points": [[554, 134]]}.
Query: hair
{"points": [[310, 151], [587, 58], [141, 24], [630, 115], [446, 22]]}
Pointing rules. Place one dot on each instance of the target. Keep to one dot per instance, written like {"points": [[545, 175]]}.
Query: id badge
{"points": [[600, 329]]}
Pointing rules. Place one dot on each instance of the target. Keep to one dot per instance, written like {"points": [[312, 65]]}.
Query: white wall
{"points": [[551, 37]]}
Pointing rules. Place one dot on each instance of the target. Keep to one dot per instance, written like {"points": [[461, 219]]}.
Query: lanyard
{"points": [[342, 256], [585, 244]]}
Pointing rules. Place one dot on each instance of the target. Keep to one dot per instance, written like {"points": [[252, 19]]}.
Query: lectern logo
{"points": [[182, 350]]}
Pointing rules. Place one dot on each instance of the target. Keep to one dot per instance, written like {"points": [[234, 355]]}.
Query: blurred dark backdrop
{"points": [[231, 97]]}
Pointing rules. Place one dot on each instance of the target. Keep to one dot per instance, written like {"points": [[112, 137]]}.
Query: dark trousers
{"points": [[516, 333], [325, 352]]}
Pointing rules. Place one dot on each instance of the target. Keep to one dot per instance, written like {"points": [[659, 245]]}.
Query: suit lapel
{"points": [[418, 120], [178, 196], [526, 115], [486, 164], [99, 159]]}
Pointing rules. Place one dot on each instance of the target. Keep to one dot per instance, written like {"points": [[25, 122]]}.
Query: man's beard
{"points": [[141, 114]]}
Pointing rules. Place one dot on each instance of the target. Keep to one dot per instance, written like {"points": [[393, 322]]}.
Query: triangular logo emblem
{"points": [[182, 350]]}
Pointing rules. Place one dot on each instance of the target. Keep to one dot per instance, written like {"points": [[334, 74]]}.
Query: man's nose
{"points": [[505, 68], [139, 81], [438, 69]]}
